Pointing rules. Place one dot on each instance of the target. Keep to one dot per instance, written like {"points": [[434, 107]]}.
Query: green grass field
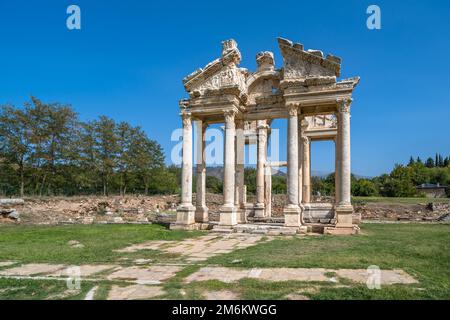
{"points": [[422, 250]]}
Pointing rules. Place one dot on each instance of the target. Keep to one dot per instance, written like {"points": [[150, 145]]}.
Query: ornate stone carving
{"points": [[301, 64], [219, 74], [186, 117], [320, 122], [229, 117], [292, 110], [265, 61], [305, 140], [344, 105]]}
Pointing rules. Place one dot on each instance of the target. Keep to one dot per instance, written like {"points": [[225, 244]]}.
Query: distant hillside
{"points": [[218, 173]]}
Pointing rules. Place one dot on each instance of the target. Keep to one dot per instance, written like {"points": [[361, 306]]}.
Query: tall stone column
{"points": [[186, 211], [301, 133], [261, 160], [228, 211], [306, 169], [268, 191], [201, 211], [239, 198], [344, 208], [292, 209], [337, 195]]}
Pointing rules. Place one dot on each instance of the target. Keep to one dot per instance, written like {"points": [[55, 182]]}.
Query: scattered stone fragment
{"points": [[14, 215], [142, 261], [75, 244], [134, 292]]}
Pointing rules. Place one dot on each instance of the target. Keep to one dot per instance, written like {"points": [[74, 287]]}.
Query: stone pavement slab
{"points": [[146, 275], [85, 270], [32, 269], [6, 263], [228, 275], [220, 295], [200, 248], [134, 292]]}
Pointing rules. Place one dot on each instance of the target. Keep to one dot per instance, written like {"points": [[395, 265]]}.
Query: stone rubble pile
{"points": [[8, 210], [161, 209]]}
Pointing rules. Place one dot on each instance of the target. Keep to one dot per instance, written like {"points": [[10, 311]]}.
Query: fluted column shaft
{"points": [[306, 169], [260, 171], [240, 145], [186, 182], [344, 175], [229, 160], [337, 195], [292, 156], [201, 213]]}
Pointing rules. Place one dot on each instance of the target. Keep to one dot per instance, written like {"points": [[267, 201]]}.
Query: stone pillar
{"points": [[268, 191], [344, 208], [201, 211], [186, 211], [301, 133], [261, 160], [336, 169], [239, 198], [292, 209], [228, 211], [306, 169]]}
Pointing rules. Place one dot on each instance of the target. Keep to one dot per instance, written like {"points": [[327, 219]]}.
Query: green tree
{"points": [[107, 149], [16, 140]]}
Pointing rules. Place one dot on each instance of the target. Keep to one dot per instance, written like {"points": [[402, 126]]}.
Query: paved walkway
{"points": [[144, 280], [201, 248]]}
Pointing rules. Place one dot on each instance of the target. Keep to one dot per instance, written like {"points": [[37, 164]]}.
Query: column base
{"points": [[292, 214], [228, 217], [344, 221], [241, 216], [344, 216], [201, 214], [259, 210], [185, 218]]}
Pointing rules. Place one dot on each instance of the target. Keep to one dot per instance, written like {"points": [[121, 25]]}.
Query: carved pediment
{"points": [[304, 64], [220, 74]]}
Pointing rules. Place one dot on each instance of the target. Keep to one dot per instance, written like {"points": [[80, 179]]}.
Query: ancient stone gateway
{"points": [[317, 107]]}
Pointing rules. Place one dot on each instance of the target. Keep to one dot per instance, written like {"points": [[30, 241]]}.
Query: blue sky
{"points": [[128, 60]]}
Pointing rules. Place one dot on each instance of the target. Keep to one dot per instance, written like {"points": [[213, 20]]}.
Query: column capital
{"points": [[343, 105], [305, 139], [186, 117], [229, 116], [292, 110]]}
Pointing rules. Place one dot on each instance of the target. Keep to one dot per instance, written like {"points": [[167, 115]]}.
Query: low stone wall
{"points": [[145, 209]]}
